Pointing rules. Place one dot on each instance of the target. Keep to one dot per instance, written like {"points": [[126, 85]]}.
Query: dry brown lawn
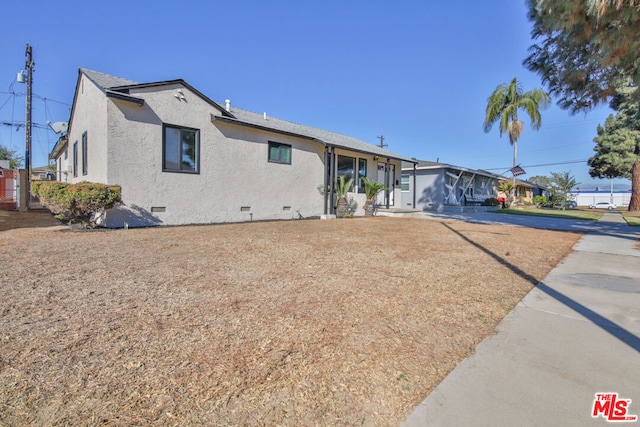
{"points": [[344, 322]]}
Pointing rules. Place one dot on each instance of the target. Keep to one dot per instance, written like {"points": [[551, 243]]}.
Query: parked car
{"points": [[602, 205], [570, 204]]}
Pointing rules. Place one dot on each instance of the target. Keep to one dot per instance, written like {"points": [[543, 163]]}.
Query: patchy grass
{"points": [[554, 213], [632, 218], [342, 322]]}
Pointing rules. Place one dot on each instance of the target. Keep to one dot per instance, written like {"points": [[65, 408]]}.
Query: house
{"points": [[433, 185], [42, 173], [182, 158]]}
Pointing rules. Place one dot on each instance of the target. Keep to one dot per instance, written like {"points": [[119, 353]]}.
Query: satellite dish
{"points": [[59, 127]]}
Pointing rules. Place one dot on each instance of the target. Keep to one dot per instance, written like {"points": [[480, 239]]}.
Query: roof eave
{"points": [[307, 137], [171, 82], [124, 97], [60, 145]]}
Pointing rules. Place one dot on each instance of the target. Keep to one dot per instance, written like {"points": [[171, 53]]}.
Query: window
{"points": [[346, 168], [75, 158], [404, 182], [181, 150], [279, 153], [84, 153], [362, 173]]}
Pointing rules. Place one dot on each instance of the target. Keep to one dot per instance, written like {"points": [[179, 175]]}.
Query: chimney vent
{"points": [[227, 104], [264, 115]]}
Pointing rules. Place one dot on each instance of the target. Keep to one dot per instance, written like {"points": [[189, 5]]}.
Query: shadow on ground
{"points": [[10, 220], [612, 328]]}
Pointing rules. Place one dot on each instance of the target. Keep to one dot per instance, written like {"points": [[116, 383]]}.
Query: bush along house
{"points": [[182, 158]]}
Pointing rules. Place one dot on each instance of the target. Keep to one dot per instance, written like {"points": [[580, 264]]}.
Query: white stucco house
{"points": [[182, 158]]}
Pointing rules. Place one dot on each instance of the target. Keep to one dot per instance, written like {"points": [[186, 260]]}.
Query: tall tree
{"points": [[618, 146], [542, 180], [584, 49], [15, 160], [503, 106], [561, 184]]}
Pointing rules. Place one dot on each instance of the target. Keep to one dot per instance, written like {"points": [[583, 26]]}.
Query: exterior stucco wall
{"points": [[89, 116], [235, 182], [430, 189]]}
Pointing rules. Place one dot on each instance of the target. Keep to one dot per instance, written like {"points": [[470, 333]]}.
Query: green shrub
{"points": [[491, 201], [77, 202], [539, 201]]}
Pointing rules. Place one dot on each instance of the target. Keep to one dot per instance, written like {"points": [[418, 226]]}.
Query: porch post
{"points": [[388, 185], [326, 180], [414, 185], [332, 177]]}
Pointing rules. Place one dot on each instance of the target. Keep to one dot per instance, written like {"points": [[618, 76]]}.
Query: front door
{"points": [[389, 182]]}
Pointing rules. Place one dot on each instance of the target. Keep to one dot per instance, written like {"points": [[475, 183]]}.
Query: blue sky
{"points": [[417, 72]]}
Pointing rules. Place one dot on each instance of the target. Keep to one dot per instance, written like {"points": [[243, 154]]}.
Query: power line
{"points": [[568, 162], [44, 98], [19, 125]]}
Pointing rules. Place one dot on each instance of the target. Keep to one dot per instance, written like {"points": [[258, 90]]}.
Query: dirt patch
{"points": [[10, 220], [344, 322]]}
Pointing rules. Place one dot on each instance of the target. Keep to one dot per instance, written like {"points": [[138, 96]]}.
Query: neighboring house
{"points": [[432, 185], [525, 190], [42, 173], [182, 158]]}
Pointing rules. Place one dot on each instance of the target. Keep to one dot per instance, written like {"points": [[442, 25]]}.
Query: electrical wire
{"points": [[568, 162]]}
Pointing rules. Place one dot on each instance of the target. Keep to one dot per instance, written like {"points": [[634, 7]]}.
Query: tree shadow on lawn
{"points": [[612, 328], [10, 220]]}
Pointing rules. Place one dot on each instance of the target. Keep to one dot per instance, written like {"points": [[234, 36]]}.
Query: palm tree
{"points": [[503, 106], [507, 188], [371, 190], [343, 186]]}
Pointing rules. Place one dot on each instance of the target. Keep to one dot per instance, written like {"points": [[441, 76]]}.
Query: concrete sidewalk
{"points": [[576, 334]]}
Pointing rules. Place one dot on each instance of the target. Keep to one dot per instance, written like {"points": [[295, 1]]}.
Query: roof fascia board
{"points": [[172, 82], [265, 128], [61, 143], [124, 97], [297, 135]]}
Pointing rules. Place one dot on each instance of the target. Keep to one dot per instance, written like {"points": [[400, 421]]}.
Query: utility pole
{"points": [[382, 144], [27, 153]]}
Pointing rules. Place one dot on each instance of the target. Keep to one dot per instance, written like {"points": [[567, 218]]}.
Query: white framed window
{"points": [[404, 182]]}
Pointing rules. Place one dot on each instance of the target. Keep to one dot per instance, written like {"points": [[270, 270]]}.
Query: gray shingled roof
{"points": [[107, 81], [323, 136]]}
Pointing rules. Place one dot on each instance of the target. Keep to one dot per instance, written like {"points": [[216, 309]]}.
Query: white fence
{"points": [[620, 198]]}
